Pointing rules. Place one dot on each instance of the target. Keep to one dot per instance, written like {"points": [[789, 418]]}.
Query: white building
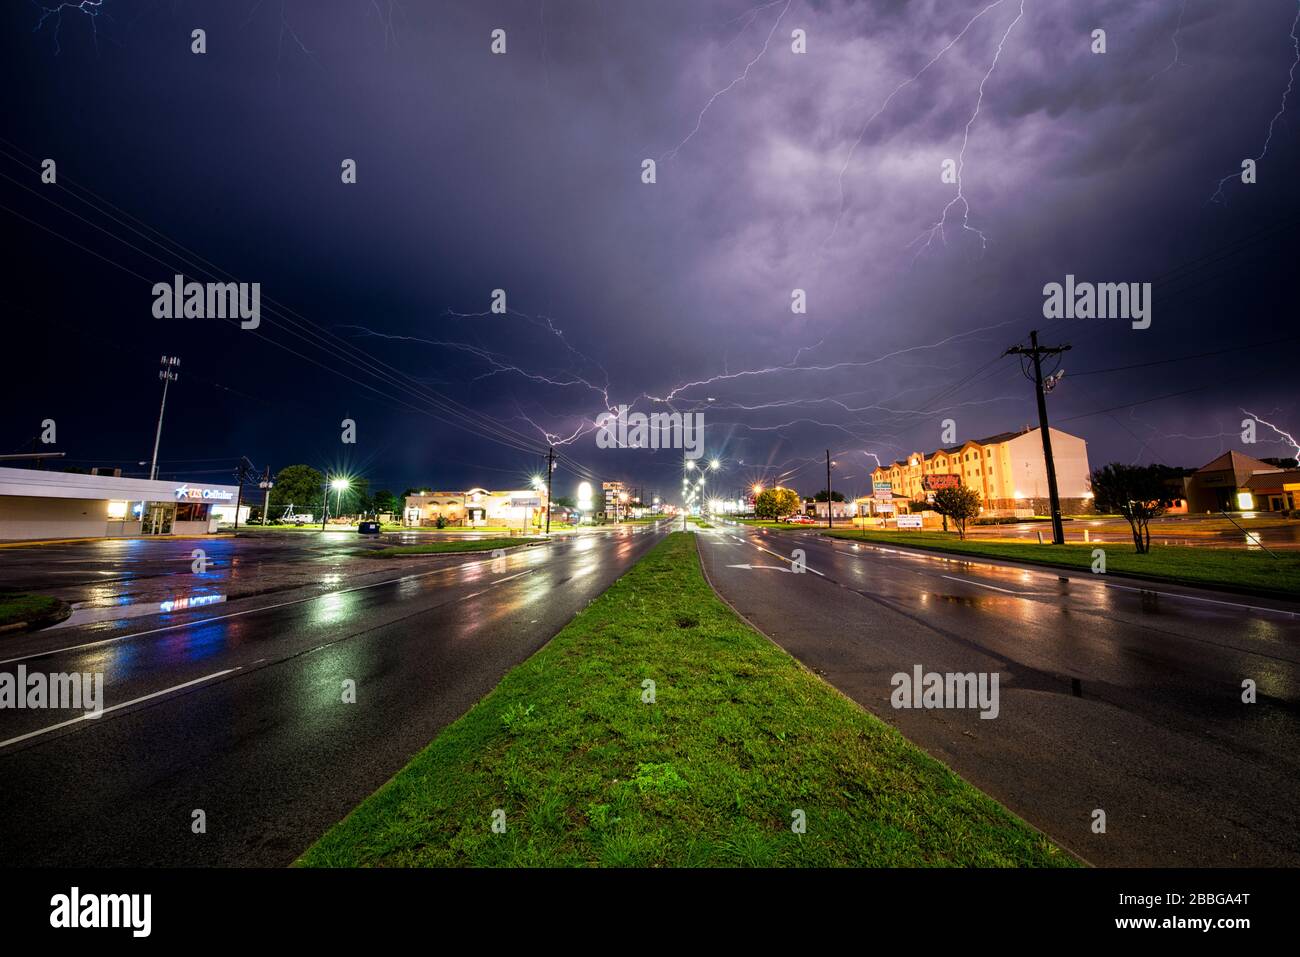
{"points": [[37, 504]]}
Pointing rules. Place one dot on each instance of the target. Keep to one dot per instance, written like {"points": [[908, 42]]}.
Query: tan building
{"points": [[477, 508], [1008, 470], [1235, 482]]}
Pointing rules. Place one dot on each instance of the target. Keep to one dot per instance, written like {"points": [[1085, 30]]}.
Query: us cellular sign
{"points": [[194, 493]]}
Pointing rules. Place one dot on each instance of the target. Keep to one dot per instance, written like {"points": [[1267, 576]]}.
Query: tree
{"points": [[959, 504], [835, 496], [1138, 492], [563, 501], [776, 503], [386, 501], [297, 485]]}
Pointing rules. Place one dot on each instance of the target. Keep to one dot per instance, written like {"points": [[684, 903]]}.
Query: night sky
{"points": [[775, 171]]}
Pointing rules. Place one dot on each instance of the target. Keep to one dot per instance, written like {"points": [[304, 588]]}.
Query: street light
{"points": [[339, 485]]}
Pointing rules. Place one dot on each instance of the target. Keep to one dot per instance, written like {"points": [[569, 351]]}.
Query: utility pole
{"points": [[1036, 353], [829, 519], [325, 504], [267, 484], [550, 471], [168, 374]]}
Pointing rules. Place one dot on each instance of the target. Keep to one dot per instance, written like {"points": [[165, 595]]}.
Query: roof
{"points": [[1242, 466], [1261, 481]]}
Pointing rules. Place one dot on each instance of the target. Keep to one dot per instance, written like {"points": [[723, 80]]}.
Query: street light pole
{"points": [[829, 519], [168, 374]]}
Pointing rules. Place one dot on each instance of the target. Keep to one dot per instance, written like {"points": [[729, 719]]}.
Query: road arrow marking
{"points": [[752, 567]]}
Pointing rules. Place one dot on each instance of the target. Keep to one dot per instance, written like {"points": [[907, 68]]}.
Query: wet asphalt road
{"points": [[239, 712], [1154, 733]]}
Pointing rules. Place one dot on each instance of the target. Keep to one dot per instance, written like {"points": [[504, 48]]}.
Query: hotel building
{"points": [[1008, 470]]}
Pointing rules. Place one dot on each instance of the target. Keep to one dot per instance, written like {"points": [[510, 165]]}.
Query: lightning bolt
{"points": [[1285, 436], [92, 9], [1174, 40], [1218, 196], [699, 121], [885, 105], [938, 228]]}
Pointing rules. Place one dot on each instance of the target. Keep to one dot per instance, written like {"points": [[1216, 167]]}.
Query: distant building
{"points": [[1008, 470], [476, 507]]}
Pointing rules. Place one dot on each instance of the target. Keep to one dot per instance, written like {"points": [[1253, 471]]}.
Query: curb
{"points": [[60, 613], [1226, 587]]}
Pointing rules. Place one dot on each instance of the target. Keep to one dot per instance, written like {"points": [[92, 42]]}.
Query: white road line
{"points": [[1212, 601], [124, 704], [246, 611], [784, 559], [1018, 594]]}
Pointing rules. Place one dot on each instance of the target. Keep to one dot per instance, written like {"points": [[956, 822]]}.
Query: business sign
{"points": [[909, 521], [882, 489], [194, 493], [932, 483], [526, 503]]}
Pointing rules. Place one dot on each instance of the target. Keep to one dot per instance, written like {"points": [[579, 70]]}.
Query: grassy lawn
{"points": [[434, 548], [1229, 568], [23, 606], [740, 735]]}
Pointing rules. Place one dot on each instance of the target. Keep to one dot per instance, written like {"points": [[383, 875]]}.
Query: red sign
{"points": [[932, 483]]}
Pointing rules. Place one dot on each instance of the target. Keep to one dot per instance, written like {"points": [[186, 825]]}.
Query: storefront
{"points": [[36, 504]]}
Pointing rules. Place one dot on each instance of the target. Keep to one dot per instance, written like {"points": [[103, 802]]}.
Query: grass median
{"points": [[1234, 569], [738, 738], [16, 607], [437, 548]]}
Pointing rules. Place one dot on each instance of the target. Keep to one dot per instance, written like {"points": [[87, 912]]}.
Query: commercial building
{"points": [[476, 508], [38, 504], [1235, 482], [1008, 470]]}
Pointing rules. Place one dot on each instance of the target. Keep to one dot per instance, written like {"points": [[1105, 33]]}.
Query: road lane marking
{"points": [[1212, 601], [1018, 594], [784, 559], [125, 704], [779, 568]]}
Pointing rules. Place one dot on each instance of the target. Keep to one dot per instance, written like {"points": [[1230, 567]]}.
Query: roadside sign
{"points": [[909, 521], [882, 489]]}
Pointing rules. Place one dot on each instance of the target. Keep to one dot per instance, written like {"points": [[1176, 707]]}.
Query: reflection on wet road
{"points": [[237, 710], [1116, 694]]}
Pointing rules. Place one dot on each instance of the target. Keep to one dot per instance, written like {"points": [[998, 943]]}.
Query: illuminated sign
{"points": [[198, 494], [909, 521], [882, 489], [932, 483]]}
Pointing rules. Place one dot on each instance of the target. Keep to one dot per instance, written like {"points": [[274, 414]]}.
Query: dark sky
{"points": [[522, 171]]}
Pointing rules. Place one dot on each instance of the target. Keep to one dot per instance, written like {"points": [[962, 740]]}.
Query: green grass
{"points": [[24, 606], [434, 548], [740, 735], [1229, 568]]}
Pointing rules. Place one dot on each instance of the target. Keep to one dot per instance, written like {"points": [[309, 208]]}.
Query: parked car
{"points": [[801, 520], [368, 528]]}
